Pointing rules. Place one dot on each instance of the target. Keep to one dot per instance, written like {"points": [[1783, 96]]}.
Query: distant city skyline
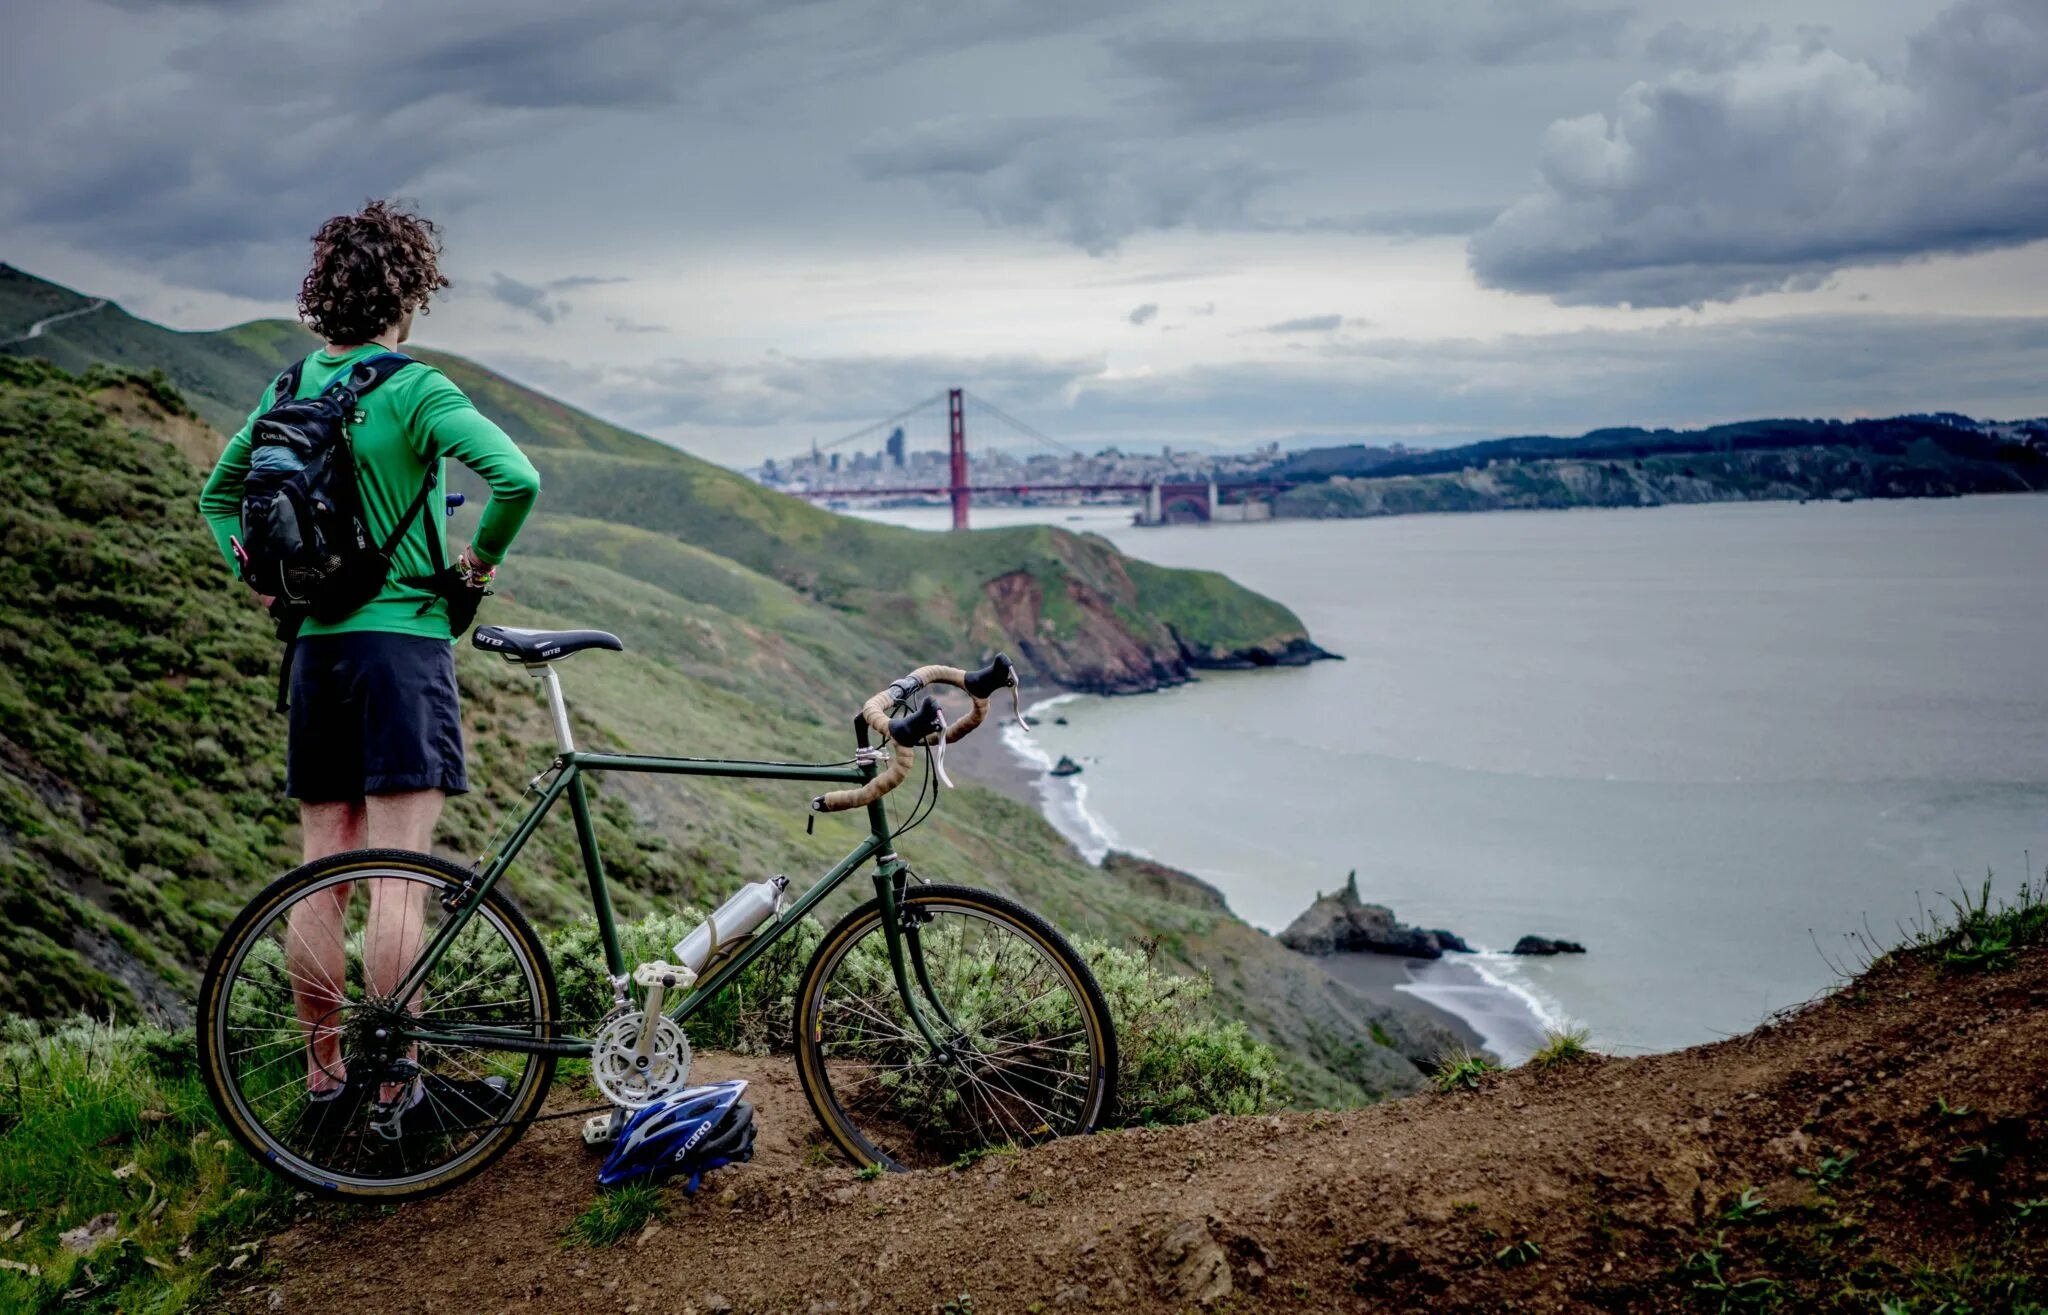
{"points": [[748, 225]]}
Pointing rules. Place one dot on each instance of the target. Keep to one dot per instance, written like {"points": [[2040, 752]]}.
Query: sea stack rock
{"points": [[1342, 922], [1545, 945], [1066, 767]]}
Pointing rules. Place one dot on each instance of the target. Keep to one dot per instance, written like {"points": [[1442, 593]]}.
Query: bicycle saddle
{"points": [[530, 646]]}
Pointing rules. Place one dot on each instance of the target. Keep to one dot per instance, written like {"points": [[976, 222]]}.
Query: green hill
{"points": [[140, 763], [1070, 608]]}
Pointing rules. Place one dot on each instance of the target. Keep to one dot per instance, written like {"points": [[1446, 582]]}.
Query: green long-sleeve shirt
{"points": [[415, 411]]}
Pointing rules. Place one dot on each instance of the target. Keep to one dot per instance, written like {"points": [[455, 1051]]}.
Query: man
{"points": [[375, 740]]}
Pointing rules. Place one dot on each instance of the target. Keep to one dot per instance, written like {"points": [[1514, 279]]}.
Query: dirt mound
{"points": [[1889, 1140]]}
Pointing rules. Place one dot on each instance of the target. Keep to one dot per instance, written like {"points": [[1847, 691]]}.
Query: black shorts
{"points": [[373, 713]]}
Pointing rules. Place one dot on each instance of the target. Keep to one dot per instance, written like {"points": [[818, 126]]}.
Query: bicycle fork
{"points": [[900, 931]]}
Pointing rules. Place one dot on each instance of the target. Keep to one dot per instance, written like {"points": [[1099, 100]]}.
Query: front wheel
{"points": [[335, 1085], [1026, 1051]]}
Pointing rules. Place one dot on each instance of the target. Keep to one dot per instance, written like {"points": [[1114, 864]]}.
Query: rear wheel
{"points": [[296, 1004], [1027, 1052]]}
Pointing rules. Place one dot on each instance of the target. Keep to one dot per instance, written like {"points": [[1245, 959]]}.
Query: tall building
{"points": [[895, 447]]}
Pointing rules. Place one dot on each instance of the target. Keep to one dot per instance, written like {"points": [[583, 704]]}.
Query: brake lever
{"points": [[939, 752]]}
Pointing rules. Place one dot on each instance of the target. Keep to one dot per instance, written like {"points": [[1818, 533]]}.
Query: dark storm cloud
{"points": [[1706, 49], [534, 301], [1787, 165], [1442, 221], [1245, 78], [1066, 178], [542, 301], [779, 391], [1308, 324], [1837, 365], [1252, 73], [1518, 31], [215, 173]]}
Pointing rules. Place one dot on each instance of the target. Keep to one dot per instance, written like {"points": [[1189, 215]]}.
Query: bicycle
{"points": [[932, 1022]]}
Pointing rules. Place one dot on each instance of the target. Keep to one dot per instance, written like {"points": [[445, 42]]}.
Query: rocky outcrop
{"points": [[1545, 945], [1298, 651], [1343, 922], [1357, 1043]]}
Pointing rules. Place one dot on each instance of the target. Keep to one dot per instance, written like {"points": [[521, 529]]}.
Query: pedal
{"points": [[598, 1129], [652, 974]]}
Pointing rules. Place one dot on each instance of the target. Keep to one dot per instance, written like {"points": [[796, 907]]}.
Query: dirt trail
{"points": [[1612, 1172]]}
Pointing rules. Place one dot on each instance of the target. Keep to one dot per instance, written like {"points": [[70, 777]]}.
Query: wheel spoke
{"points": [[1020, 1064], [297, 995]]}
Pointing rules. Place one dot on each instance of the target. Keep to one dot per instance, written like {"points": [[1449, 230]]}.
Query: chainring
{"points": [[617, 1067]]}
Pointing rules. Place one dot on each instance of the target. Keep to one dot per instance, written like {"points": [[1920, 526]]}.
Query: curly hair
{"points": [[368, 270]]}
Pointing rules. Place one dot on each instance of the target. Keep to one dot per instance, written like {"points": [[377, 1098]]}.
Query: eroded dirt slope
{"points": [[1901, 1123]]}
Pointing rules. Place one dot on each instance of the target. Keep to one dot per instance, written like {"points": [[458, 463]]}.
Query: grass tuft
{"points": [[1460, 1067], [1562, 1046], [616, 1215], [1980, 932]]}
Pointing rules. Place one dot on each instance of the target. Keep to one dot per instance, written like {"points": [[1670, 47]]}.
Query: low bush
{"points": [[108, 1129], [754, 1015], [1176, 1061]]}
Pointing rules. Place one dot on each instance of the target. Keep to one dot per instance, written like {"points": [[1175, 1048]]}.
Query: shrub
{"points": [[1176, 1061], [754, 1015]]}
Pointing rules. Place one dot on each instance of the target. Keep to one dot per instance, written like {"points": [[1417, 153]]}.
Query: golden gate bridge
{"points": [[1048, 469]]}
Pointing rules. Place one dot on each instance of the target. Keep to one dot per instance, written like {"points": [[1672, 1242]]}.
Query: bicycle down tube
{"points": [[568, 768]]}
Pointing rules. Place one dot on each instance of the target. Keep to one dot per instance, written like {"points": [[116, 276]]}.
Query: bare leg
{"points": [[397, 924], [315, 952]]}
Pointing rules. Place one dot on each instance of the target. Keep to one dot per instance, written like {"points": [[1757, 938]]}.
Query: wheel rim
{"points": [[1022, 1061], [277, 995]]}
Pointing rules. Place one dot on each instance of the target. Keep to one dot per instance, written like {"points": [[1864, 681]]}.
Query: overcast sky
{"points": [[746, 224]]}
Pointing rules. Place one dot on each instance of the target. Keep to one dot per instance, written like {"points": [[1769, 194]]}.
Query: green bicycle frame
{"points": [[891, 876]]}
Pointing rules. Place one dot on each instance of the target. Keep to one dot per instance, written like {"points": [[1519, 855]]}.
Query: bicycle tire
{"points": [[240, 940], [1092, 1104]]}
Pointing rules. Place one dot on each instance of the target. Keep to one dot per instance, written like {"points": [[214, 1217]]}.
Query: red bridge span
{"points": [[1163, 499]]}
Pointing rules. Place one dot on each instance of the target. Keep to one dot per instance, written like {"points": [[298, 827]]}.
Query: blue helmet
{"points": [[686, 1132]]}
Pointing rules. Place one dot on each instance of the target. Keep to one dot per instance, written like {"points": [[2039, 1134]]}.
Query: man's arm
{"points": [[446, 420], [221, 500]]}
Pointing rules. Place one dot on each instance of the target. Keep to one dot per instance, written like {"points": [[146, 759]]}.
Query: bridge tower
{"points": [[956, 421]]}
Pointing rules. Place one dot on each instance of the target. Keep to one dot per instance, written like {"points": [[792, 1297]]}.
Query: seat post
{"points": [[563, 739]]}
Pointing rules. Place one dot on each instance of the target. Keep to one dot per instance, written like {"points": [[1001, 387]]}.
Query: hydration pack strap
{"points": [[288, 630], [286, 388], [412, 512], [372, 370]]}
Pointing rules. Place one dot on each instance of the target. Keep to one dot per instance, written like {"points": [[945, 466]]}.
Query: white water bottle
{"points": [[750, 906]]}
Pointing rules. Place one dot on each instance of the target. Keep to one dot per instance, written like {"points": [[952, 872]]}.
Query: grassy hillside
{"points": [[1070, 608], [140, 762]]}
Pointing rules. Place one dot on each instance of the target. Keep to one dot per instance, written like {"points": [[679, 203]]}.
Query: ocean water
{"points": [[1710, 742]]}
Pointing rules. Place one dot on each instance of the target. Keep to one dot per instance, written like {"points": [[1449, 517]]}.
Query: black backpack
{"points": [[304, 538]]}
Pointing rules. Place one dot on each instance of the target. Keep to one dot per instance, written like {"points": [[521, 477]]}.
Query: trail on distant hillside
{"points": [[36, 330], [1807, 1166]]}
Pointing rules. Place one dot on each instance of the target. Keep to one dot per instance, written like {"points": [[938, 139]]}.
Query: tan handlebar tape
{"points": [[902, 758]]}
